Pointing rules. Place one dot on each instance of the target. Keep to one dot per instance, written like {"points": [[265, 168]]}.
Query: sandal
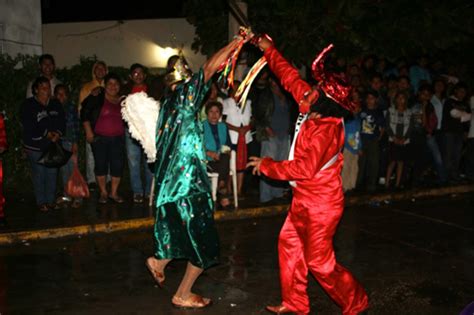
{"points": [[54, 206], [158, 276], [194, 301], [116, 199], [102, 199], [224, 203], [63, 200], [43, 208], [76, 204], [137, 198], [280, 309]]}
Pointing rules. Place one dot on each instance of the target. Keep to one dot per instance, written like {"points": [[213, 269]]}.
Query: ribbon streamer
{"points": [[226, 78], [242, 92]]}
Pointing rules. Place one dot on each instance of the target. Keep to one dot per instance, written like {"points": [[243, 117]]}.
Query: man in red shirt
{"points": [[135, 154], [313, 169]]}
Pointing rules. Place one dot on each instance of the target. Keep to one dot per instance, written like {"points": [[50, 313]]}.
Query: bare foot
{"points": [[191, 301], [156, 268]]}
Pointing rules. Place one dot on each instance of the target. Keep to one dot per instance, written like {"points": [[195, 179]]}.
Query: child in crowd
{"points": [[372, 129], [423, 147], [69, 140], [352, 146], [399, 124]]}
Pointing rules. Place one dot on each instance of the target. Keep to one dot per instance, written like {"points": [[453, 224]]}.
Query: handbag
{"points": [[54, 156], [76, 186]]}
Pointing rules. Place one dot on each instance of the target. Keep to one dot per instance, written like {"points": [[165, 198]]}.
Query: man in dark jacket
{"points": [[43, 123]]}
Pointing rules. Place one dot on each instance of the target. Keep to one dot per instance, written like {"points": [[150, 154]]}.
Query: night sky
{"points": [[57, 11]]}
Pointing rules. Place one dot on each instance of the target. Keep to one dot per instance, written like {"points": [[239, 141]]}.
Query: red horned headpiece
{"points": [[334, 85]]}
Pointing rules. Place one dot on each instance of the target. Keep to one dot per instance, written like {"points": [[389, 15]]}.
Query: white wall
{"points": [[20, 27], [149, 42]]}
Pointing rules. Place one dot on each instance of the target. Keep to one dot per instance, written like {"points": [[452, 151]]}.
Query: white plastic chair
{"points": [[214, 177], [233, 174]]}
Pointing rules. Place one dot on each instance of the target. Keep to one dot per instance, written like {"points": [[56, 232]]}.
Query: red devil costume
{"points": [[3, 145], [305, 242]]}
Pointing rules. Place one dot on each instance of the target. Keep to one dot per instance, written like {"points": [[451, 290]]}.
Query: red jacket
{"points": [[319, 140]]}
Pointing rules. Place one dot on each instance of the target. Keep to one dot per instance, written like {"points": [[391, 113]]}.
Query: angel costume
{"points": [[184, 226]]}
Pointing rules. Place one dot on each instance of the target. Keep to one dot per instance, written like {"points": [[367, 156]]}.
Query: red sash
{"points": [[241, 153]]}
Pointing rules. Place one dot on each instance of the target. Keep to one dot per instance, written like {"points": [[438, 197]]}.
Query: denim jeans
{"points": [[278, 149], [44, 179], [136, 161], [435, 152]]}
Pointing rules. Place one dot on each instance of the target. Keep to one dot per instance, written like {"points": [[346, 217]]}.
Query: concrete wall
{"points": [[149, 42], [20, 27]]}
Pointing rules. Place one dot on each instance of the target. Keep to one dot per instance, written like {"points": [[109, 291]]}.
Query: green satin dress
{"points": [[184, 226]]}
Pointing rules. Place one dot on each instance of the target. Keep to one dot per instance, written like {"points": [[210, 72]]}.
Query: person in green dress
{"points": [[184, 226]]}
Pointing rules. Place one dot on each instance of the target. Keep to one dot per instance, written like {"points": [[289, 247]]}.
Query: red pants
{"points": [[305, 243]]}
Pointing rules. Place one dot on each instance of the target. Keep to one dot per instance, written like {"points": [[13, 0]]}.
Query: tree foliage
{"points": [[15, 74], [357, 27]]}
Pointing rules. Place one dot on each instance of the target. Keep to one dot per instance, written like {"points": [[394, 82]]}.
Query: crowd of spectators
{"points": [[413, 127]]}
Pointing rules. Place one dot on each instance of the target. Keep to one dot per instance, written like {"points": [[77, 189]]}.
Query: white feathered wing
{"points": [[141, 113]]}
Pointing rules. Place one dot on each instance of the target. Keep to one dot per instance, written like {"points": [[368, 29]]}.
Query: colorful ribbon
{"points": [[244, 87]]}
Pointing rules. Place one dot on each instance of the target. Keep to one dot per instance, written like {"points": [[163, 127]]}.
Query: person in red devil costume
{"points": [[313, 169], [3, 148]]}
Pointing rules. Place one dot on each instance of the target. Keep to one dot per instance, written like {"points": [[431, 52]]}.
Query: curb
{"points": [[144, 223], [406, 195]]}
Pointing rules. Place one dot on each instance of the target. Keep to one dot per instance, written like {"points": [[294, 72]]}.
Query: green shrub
{"points": [[15, 74]]}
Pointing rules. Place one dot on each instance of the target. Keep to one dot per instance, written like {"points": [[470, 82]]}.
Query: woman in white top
{"points": [[238, 121]]}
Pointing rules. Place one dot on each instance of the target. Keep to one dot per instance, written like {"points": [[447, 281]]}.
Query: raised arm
{"points": [[212, 64], [289, 77]]}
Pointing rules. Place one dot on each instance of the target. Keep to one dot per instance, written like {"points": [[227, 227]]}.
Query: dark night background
{"points": [[58, 11], [412, 250], [441, 29]]}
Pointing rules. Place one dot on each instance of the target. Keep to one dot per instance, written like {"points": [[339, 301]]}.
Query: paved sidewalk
{"points": [[27, 224]]}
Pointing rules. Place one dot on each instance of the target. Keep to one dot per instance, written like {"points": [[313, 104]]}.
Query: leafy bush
{"points": [[15, 74]]}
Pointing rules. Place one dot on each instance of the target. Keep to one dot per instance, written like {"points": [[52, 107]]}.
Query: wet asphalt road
{"points": [[411, 257]]}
